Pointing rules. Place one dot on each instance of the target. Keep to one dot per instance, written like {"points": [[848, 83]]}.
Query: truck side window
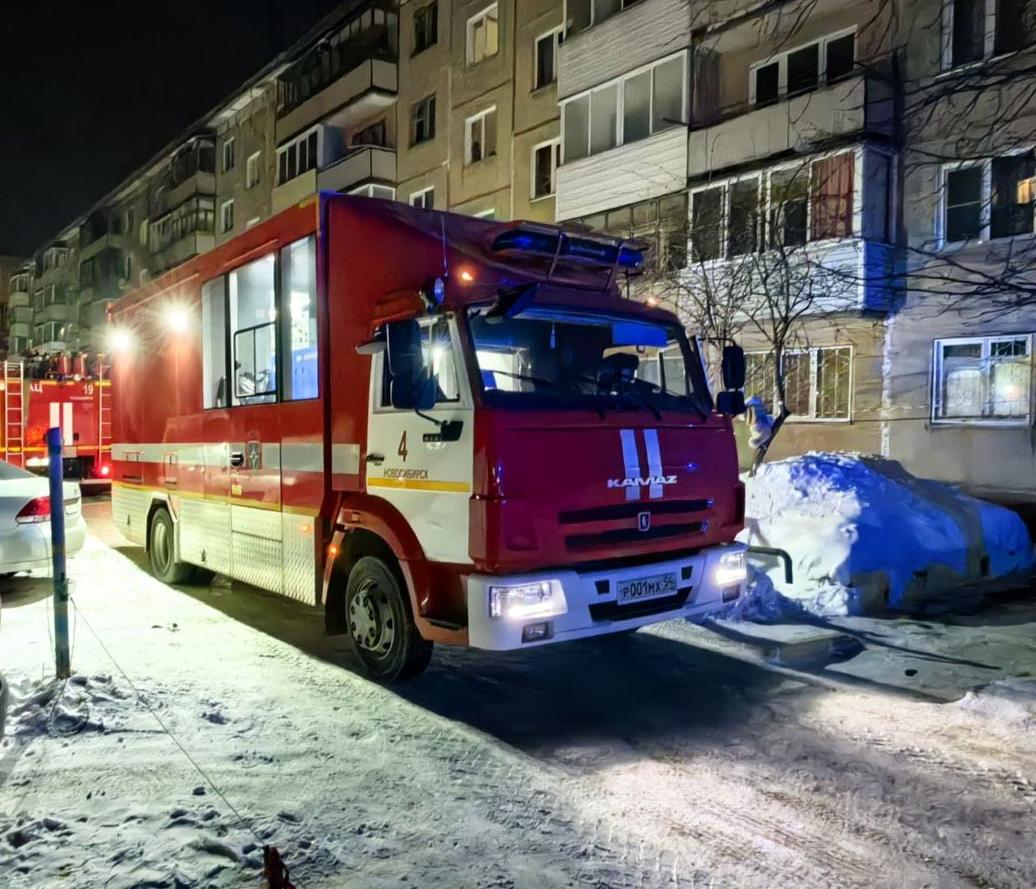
{"points": [[299, 330], [253, 325], [214, 344], [440, 356]]}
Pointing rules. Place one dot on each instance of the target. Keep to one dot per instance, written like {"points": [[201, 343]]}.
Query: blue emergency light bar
{"points": [[563, 244]]}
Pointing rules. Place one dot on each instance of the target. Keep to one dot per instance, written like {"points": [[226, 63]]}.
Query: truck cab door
{"points": [[421, 461]]}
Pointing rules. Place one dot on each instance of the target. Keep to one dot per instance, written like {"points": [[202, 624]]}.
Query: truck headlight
{"points": [[544, 598], [731, 569]]}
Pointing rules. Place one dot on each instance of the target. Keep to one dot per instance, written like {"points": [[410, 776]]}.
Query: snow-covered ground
{"points": [[865, 535], [645, 761]]}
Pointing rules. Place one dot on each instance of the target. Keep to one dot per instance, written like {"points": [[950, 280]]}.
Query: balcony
{"points": [[623, 175], [370, 163], [20, 315], [179, 251], [370, 86], [862, 103], [19, 298]]}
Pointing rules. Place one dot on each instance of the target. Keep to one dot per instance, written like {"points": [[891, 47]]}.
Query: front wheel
{"points": [[162, 550], [381, 626]]}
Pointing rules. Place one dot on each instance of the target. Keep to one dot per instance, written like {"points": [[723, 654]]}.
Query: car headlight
{"points": [[731, 569], [544, 598]]}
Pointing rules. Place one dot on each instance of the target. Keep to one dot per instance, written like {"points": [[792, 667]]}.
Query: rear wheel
{"points": [[162, 550], [381, 627]]}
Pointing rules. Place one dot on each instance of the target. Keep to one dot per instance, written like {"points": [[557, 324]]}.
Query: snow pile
{"points": [[1012, 701], [60, 708], [864, 534]]}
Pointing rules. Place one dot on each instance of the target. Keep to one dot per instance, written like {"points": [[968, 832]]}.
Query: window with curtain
{"points": [[831, 186]]}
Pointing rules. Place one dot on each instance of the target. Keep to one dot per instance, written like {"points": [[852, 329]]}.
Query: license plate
{"points": [[658, 586]]}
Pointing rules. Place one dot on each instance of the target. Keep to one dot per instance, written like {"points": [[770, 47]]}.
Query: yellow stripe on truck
{"points": [[419, 484]]}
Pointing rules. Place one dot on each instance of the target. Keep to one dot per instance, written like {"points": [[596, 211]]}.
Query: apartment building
{"points": [[477, 108], [747, 147], [19, 309], [246, 158], [55, 285], [9, 265], [960, 394]]}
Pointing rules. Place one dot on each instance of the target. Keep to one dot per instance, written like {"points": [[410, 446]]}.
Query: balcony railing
{"points": [[860, 103], [368, 163]]}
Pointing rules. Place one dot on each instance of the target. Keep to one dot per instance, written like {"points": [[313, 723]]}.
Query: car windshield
{"points": [[563, 358]]}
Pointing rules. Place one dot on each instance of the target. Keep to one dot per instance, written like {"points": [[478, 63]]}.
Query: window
{"points": [[989, 199], [385, 192], [483, 35], [743, 218], [252, 169], [480, 136], [1011, 212], [214, 343], [422, 121], [707, 212], [228, 154], [789, 207], [426, 27], [986, 379], [659, 223], [86, 273], [803, 69], [651, 100], [544, 168], [371, 135], [831, 187], [425, 199], [976, 29], [298, 156], [299, 330], [226, 216], [546, 71], [584, 13], [604, 118], [817, 382], [253, 323], [127, 268], [576, 116], [439, 358], [810, 201], [129, 221]]}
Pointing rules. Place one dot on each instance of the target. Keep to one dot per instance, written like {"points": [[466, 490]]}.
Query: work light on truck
{"points": [[544, 598]]}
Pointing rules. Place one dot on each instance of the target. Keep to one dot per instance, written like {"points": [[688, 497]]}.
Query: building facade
{"points": [[875, 159]]}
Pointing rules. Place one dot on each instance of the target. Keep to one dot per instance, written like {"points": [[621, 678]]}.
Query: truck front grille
{"points": [[615, 611], [590, 541]]}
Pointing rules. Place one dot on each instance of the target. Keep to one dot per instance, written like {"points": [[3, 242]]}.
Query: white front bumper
{"points": [[590, 599]]}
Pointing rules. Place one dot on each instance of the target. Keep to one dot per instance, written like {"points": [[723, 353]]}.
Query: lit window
{"points": [[817, 382], [299, 330], [253, 324], [989, 199], [985, 379]]}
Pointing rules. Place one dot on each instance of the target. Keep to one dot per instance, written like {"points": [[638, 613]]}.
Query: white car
{"points": [[25, 520]]}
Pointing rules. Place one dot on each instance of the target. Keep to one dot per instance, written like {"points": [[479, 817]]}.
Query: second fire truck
{"points": [[435, 428]]}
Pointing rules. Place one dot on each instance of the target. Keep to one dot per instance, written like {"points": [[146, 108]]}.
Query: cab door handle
{"points": [[237, 458], [375, 458]]}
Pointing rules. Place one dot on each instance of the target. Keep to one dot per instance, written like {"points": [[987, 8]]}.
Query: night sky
{"points": [[90, 91]]}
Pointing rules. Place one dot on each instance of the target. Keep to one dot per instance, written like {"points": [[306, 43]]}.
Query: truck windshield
{"points": [[568, 359]]}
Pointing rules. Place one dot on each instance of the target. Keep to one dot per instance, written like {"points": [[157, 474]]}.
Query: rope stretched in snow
{"points": [[274, 868]]}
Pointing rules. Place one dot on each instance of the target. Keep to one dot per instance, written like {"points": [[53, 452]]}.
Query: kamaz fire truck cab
{"points": [[499, 449]]}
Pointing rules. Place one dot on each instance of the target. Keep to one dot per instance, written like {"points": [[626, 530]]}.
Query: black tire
{"points": [[161, 549], [380, 625]]}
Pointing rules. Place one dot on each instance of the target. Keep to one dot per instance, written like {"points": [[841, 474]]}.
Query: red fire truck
{"points": [[79, 404], [436, 428]]}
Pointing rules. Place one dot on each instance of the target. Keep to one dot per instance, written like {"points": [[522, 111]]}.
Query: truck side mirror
{"points": [[410, 384], [733, 368]]}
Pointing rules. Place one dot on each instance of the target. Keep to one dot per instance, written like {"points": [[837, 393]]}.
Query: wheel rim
{"points": [[371, 622], [160, 545]]}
